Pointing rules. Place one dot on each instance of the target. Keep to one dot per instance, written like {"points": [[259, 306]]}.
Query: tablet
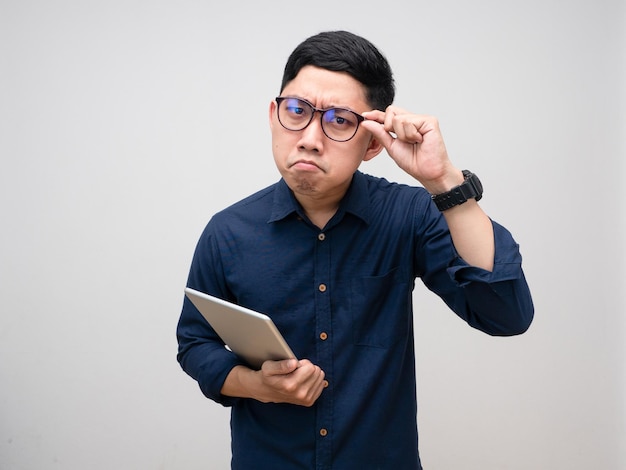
{"points": [[251, 335]]}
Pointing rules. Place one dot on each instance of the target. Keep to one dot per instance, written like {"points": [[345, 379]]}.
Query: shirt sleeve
{"points": [[496, 302], [201, 352]]}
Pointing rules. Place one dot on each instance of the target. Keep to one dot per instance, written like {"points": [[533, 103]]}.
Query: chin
{"points": [[301, 185]]}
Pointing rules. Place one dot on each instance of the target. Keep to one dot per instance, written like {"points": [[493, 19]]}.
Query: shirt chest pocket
{"points": [[381, 309]]}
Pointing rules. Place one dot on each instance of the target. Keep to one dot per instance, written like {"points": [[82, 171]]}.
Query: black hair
{"points": [[342, 51]]}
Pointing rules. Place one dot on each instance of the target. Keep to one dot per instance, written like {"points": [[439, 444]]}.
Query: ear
{"points": [[373, 148], [272, 113]]}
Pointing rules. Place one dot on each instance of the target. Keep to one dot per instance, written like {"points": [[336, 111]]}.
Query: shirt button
{"points": [[323, 432], [321, 237], [322, 287], [325, 383], [323, 336]]}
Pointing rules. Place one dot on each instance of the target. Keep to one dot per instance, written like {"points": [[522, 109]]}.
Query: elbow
{"points": [[518, 324], [509, 313], [522, 311], [505, 323]]}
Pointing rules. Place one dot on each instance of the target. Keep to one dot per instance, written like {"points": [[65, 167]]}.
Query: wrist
{"points": [[470, 188], [239, 383], [448, 181]]}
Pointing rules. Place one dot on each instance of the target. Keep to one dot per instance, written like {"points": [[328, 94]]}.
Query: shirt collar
{"points": [[356, 201]]}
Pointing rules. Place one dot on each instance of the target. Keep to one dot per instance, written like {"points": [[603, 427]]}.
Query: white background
{"points": [[124, 125]]}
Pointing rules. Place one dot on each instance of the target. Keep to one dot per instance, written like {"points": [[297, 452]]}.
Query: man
{"points": [[331, 254]]}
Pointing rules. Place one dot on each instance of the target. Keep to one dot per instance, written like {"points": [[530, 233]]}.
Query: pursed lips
{"points": [[303, 164]]}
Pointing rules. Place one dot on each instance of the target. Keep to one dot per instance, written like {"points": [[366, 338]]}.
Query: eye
{"points": [[295, 110], [295, 106], [340, 117]]}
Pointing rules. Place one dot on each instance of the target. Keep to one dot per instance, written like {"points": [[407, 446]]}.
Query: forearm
{"points": [[472, 234], [470, 228], [241, 383]]}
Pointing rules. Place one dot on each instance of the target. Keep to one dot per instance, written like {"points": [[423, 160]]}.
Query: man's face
{"points": [[312, 164]]}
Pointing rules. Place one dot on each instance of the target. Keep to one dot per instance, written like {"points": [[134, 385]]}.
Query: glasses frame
{"points": [[280, 99]]}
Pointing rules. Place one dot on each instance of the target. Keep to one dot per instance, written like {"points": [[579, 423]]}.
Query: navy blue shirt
{"points": [[342, 298]]}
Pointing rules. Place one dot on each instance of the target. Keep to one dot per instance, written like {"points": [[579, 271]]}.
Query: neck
{"points": [[320, 206], [320, 219], [318, 210]]}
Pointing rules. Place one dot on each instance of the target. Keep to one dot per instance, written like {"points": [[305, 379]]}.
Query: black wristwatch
{"points": [[470, 189]]}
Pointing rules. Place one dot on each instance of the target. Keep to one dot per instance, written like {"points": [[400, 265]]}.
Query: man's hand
{"points": [[289, 381], [415, 143]]}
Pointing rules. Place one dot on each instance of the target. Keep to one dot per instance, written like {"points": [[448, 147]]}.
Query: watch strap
{"points": [[471, 188]]}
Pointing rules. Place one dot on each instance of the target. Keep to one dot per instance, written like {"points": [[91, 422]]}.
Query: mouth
{"points": [[305, 165]]}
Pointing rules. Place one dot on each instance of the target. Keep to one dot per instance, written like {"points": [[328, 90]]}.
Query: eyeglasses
{"points": [[338, 124]]}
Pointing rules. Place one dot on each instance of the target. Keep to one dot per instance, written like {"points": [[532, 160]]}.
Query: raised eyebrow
{"points": [[332, 106], [300, 99], [338, 106]]}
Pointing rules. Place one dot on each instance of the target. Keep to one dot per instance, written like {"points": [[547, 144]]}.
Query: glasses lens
{"points": [[294, 114], [340, 124]]}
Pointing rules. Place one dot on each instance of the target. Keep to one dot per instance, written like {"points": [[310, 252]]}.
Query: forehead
{"points": [[326, 88]]}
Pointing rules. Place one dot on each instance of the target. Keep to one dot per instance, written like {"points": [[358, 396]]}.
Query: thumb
{"points": [[283, 367]]}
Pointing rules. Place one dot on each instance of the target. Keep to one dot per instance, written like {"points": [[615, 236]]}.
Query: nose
{"points": [[312, 136]]}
